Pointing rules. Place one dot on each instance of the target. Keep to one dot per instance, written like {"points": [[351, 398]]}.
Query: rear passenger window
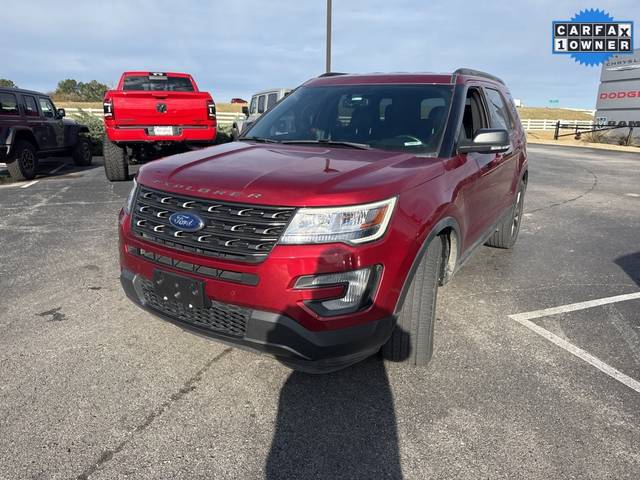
{"points": [[497, 110], [261, 104], [271, 100], [8, 104], [30, 106]]}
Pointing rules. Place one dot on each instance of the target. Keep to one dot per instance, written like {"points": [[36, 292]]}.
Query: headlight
{"points": [[131, 198], [355, 224]]}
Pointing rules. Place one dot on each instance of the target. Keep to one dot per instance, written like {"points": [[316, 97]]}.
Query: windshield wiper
{"points": [[259, 139], [324, 141]]}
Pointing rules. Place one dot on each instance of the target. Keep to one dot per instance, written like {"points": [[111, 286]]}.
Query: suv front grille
{"points": [[219, 317], [234, 231]]}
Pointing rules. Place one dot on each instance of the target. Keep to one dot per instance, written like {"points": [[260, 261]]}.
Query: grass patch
{"points": [[538, 113]]}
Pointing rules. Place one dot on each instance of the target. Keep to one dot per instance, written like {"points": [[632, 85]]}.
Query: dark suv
{"points": [[32, 127], [322, 235]]}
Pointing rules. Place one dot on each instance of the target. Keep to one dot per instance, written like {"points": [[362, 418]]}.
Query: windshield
{"points": [[157, 83], [407, 118]]}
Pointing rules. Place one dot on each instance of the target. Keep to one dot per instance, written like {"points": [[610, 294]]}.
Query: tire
{"points": [[23, 163], [116, 163], [235, 133], [412, 339], [507, 232], [81, 152]]}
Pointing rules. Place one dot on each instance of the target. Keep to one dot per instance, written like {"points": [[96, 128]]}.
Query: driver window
{"points": [[46, 107], [474, 117], [252, 108]]}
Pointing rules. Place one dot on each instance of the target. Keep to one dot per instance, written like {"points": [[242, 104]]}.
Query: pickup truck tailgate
{"points": [[160, 108]]}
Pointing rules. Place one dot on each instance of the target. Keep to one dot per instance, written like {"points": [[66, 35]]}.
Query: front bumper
{"points": [[281, 336]]}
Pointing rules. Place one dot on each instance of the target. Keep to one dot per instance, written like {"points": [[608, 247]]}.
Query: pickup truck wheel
{"points": [[412, 340], [235, 133], [507, 233], [24, 161], [116, 163], [81, 152]]}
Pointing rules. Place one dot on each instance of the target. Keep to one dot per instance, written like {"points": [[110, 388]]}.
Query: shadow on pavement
{"points": [[339, 425], [631, 265]]}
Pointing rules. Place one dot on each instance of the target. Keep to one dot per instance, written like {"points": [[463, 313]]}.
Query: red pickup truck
{"points": [[150, 114]]}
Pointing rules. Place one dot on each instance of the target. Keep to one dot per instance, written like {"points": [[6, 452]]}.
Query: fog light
{"points": [[359, 288]]}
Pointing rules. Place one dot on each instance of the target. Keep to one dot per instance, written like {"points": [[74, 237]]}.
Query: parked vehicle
{"points": [[31, 127], [150, 114], [321, 237], [260, 103], [238, 100]]}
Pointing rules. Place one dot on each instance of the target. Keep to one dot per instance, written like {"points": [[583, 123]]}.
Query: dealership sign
{"points": [[592, 36]]}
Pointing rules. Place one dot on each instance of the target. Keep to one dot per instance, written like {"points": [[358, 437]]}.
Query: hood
{"points": [[289, 175]]}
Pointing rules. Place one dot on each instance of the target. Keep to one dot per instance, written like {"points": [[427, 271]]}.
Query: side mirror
{"points": [[245, 111], [487, 140], [61, 112]]}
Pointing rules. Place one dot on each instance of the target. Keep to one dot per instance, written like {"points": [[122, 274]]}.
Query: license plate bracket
{"points": [[184, 290]]}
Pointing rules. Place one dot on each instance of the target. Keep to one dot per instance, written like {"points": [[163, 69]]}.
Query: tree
{"points": [[67, 90], [92, 91], [6, 83], [72, 90]]}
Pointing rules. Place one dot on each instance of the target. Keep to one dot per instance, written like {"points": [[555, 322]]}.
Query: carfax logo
{"points": [[592, 36]]}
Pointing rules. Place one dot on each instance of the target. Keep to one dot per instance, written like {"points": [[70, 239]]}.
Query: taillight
{"points": [[107, 107], [211, 109]]}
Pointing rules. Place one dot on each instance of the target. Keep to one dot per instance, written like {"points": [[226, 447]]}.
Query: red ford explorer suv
{"points": [[321, 237]]}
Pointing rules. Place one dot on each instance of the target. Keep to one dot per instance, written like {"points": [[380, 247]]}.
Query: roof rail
{"points": [[477, 73], [331, 74]]}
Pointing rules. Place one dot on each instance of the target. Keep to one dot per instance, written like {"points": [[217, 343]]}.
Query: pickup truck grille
{"points": [[233, 231], [218, 317]]}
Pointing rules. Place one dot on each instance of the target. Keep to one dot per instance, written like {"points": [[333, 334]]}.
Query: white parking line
{"points": [[57, 169], [580, 353], [572, 307], [524, 319], [27, 185]]}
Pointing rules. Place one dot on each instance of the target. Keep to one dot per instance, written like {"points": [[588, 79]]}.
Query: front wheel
{"points": [[506, 234], [412, 339], [23, 163], [81, 152]]}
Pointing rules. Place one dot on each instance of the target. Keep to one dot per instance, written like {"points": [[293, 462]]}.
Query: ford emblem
{"points": [[187, 222]]}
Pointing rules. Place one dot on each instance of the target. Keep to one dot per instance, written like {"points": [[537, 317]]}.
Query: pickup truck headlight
{"points": [[353, 224], [131, 198]]}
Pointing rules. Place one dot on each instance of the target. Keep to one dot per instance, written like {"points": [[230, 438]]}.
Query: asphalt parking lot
{"points": [[93, 387]]}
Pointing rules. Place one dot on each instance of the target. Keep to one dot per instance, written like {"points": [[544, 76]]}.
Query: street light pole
{"points": [[328, 59]]}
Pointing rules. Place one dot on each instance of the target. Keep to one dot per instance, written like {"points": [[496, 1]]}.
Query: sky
{"points": [[237, 47]]}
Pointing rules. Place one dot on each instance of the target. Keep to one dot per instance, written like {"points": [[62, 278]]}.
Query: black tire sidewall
{"points": [[17, 168], [82, 152]]}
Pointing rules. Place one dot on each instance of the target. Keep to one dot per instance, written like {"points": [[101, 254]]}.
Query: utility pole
{"points": [[328, 59]]}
